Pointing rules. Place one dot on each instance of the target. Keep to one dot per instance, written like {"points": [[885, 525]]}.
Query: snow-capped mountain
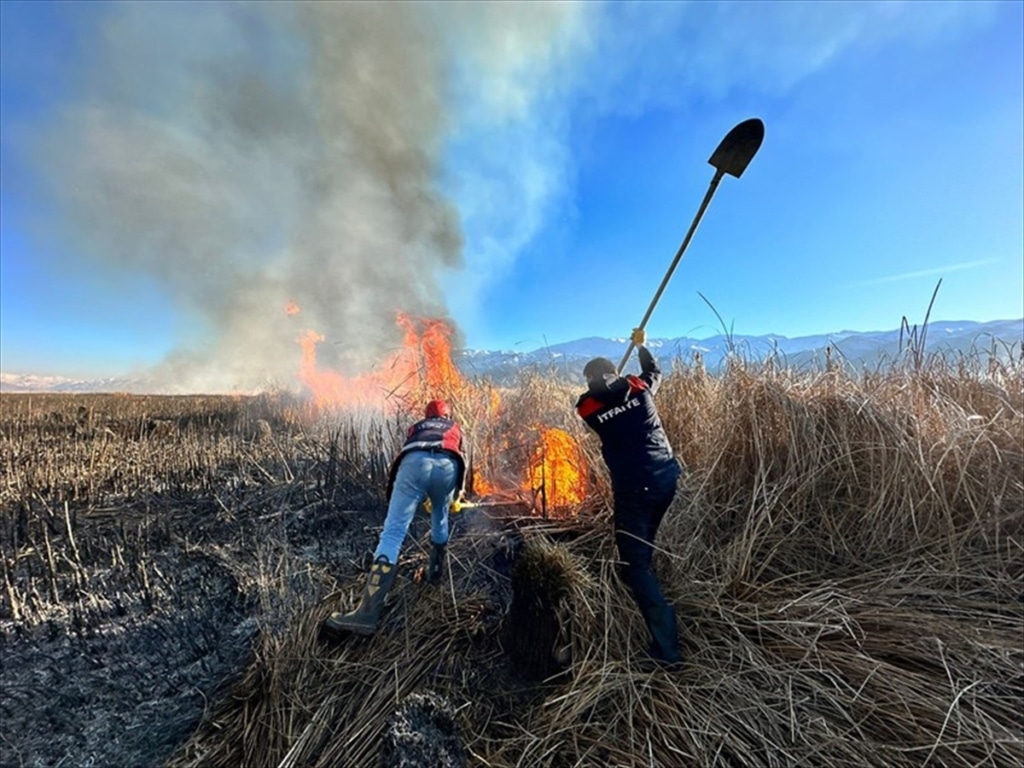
{"points": [[1002, 338], [13, 382], [858, 349]]}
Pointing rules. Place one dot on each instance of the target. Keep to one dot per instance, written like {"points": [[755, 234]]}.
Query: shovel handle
{"points": [[672, 267]]}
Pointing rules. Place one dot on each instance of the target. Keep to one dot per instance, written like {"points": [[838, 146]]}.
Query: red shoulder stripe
{"points": [[588, 407], [636, 384]]}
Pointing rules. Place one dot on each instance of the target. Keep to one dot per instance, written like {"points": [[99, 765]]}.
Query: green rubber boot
{"points": [[363, 620]]}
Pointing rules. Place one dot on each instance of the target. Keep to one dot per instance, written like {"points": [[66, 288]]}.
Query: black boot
{"points": [[436, 565], [661, 622], [363, 620], [659, 616]]}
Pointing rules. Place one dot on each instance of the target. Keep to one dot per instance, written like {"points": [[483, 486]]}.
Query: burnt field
{"points": [[846, 554], [147, 541]]}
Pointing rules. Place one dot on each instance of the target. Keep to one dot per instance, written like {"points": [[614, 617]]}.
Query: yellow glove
{"points": [[639, 337], [454, 508]]}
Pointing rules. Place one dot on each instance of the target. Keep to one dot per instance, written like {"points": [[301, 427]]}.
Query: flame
{"points": [[328, 388], [291, 308], [441, 373], [552, 477], [553, 474], [557, 471], [420, 370]]}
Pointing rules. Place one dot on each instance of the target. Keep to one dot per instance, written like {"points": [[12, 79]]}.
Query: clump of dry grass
{"points": [[305, 701]]}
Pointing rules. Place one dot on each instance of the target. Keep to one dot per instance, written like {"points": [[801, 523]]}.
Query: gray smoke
{"points": [[246, 156]]}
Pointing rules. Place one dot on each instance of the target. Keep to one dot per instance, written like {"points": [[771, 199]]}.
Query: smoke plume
{"points": [[249, 156]]}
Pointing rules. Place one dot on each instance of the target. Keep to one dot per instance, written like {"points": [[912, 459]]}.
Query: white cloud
{"points": [[930, 272], [657, 54]]}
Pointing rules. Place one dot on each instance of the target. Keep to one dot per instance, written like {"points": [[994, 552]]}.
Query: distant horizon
{"points": [[131, 375], [931, 322]]}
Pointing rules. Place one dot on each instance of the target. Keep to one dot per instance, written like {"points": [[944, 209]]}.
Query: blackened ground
{"points": [[154, 619], [115, 647], [128, 690]]}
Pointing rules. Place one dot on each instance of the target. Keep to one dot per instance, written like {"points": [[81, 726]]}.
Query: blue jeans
{"points": [[421, 475]]}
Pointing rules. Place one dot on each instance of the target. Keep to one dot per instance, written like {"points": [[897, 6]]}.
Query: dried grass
{"points": [[846, 555]]}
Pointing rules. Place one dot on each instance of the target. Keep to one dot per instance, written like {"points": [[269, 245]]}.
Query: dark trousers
{"points": [[638, 514]]}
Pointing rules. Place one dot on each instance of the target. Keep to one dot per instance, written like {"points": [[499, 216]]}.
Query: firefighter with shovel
{"points": [[644, 474], [429, 467], [621, 410]]}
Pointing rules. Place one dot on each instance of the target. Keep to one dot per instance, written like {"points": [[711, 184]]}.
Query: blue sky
{"points": [[172, 174]]}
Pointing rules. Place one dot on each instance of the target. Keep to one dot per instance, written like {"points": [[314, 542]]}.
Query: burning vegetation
{"points": [[845, 555], [534, 464]]}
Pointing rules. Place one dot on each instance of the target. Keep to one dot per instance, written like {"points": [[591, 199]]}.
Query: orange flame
{"points": [[291, 308], [557, 471], [441, 373], [328, 387], [420, 370]]}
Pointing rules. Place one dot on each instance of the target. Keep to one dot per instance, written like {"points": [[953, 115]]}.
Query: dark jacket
{"points": [[436, 434], [622, 412]]}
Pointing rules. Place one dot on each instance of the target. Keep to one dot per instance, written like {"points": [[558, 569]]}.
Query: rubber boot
{"points": [[661, 622], [659, 616], [435, 567], [363, 620]]}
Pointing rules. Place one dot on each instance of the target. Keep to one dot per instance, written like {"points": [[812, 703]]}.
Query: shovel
{"points": [[732, 156]]}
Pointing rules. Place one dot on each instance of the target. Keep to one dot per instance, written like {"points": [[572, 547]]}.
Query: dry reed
{"points": [[846, 557], [846, 554]]}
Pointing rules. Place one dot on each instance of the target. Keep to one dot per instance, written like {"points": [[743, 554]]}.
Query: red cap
{"points": [[437, 408]]}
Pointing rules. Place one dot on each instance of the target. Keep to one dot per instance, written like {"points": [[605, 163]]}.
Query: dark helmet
{"points": [[438, 408], [598, 368]]}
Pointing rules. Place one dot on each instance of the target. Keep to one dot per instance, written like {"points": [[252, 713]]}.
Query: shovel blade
{"points": [[738, 147]]}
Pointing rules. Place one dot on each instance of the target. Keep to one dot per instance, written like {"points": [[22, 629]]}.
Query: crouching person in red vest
{"points": [[429, 466]]}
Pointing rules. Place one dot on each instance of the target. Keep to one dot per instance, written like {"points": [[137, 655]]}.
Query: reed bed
{"points": [[846, 555]]}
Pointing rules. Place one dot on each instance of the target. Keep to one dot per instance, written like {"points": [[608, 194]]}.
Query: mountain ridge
{"points": [[857, 349]]}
